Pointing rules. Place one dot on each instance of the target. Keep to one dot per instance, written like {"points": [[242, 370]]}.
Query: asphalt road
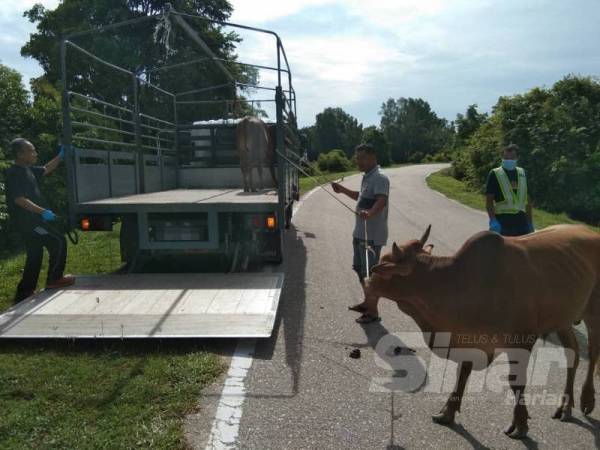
{"points": [[305, 392]]}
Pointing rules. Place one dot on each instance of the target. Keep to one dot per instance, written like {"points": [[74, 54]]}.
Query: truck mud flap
{"points": [[151, 306]]}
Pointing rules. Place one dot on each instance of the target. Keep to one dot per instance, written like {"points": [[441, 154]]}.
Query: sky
{"points": [[356, 54]]}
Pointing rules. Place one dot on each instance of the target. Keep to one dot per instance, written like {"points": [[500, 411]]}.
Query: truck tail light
{"points": [[271, 222], [96, 223]]}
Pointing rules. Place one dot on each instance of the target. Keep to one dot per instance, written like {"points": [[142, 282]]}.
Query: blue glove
{"points": [[61, 152], [48, 216], [495, 226], [531, 228]]}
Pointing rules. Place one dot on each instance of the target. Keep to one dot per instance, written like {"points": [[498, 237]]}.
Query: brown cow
{"points": [[498, 290], [255, 149]]}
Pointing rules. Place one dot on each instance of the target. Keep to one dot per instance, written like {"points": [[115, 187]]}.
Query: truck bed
{"points": [[185, 199], [177, 196]]}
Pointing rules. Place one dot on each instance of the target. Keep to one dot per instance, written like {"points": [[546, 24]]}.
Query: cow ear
{"points": [[428, 248]]}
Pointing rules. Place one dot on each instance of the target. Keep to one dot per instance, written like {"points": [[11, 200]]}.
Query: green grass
{"points": [[96, 394], [442, 182]]}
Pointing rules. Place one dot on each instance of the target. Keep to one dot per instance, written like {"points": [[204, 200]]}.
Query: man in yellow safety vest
{"points": [[507, 201]]}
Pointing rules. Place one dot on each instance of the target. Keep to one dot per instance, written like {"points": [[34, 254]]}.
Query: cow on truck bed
{"points": [[255, 143]]}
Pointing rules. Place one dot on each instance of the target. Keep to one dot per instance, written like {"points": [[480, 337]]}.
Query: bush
{"points": [[334, 161], [416, 157]]}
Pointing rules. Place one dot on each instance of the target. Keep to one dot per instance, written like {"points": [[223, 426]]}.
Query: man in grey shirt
{"points": [[372, 211]]}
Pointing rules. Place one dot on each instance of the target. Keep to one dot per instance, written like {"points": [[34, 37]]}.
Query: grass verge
{"points": [[96, 394], [443, 182]]}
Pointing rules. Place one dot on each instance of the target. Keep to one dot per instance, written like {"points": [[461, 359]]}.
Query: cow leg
{"points": [[588, 393], [452, 406], [260, 177], [244, 169], [518, 378], [245, 179], [250, 178], [569, 343]]}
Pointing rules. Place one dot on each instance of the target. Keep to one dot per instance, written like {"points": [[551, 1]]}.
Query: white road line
{"points": [[226, 425]]}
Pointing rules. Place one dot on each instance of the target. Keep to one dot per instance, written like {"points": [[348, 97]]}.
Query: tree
{"points": [[307, 142], [336, 129], [372, 135], [558, 132], [468, 124], [412, 129], [43, 127], [14, 106], [133, 47]]}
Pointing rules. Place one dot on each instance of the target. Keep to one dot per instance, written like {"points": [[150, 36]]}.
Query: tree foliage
{"points": [[558, 132], [336, 129], [133, 47], [413, 130], [14, 107], [466, 125], [334, 161], [374, 136]]}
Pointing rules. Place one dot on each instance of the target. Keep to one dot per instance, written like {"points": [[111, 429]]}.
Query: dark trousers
{"points": [[513, 224], [35, 241], [359, 262]]}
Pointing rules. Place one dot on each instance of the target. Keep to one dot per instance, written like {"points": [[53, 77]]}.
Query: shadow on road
{"points": [[290, 319]]}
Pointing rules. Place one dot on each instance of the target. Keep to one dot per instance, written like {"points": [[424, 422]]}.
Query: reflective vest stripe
{"points": [[512, 203]]}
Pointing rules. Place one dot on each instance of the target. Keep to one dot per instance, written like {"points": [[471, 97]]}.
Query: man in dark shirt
{"points": [[507, 200], [31, 217]]}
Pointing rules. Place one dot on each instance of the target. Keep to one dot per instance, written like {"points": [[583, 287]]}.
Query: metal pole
{"points": [[198, 40], [67, 133], [280, 161], [278, 63], [176, 143], [140, 188]]}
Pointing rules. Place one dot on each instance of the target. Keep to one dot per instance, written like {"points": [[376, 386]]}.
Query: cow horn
{"points": [[425, 235]]}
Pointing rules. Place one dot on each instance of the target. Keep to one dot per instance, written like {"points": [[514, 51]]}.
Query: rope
{"points": [[368, 248], [162, 33], [318, 185]]}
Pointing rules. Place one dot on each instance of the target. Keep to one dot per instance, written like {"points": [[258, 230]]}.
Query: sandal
{"points": [[368, 318], [358, 308]]}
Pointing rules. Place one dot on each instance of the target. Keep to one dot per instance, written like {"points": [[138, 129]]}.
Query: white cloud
{"points": [[261, 11], [14, 33]]}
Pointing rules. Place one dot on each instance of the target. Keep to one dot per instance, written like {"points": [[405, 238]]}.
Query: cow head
{"points": [[402, 259]]}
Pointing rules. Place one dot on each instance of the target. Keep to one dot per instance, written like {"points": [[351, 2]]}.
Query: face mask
{"points": [[509, 164]]}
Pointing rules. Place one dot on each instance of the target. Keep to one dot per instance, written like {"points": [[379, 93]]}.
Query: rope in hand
{"points": [[368, 248], [317, 182]]}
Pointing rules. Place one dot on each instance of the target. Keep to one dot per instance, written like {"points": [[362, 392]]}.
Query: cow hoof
{"points": [[444, 418], [517, 432], [563, 413], [587, 402]]}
